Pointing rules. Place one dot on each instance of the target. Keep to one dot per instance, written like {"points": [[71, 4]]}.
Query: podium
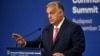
{"points": [[23, 52]]}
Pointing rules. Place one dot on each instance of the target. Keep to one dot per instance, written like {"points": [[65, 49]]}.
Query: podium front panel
{"points": [[23, 52]]}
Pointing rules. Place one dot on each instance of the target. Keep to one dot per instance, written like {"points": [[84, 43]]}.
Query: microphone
{"points": [[32, 32]]}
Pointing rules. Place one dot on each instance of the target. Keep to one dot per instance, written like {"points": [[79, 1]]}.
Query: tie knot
{"points": [[56, 28]]}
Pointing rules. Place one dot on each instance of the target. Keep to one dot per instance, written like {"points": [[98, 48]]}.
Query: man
{"points": [[61, 38]]}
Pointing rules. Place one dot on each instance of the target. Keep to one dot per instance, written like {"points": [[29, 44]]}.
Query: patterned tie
{"points": [[55, 35]]}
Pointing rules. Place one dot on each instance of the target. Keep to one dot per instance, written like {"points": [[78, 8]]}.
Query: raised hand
{"points": [[19, 39]]}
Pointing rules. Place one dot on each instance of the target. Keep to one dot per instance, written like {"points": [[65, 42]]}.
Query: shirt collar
{"points": [[59, 25]]}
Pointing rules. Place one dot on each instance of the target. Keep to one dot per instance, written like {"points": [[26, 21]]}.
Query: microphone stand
{"points": [[40, 44]]}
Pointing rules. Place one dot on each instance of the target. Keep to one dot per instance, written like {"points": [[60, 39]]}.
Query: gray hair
{"points": [[56, 3]]}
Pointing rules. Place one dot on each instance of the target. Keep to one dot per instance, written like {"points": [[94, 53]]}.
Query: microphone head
{"points": [[39, 29]]}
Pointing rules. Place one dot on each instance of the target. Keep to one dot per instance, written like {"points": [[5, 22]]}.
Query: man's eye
{"points": [[52, 12]]}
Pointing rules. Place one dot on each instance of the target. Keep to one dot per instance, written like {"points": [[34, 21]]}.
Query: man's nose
{"points": [[49, 16]]}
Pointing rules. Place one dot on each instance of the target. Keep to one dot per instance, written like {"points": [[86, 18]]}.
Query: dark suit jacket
{"points": [[70, 40]]}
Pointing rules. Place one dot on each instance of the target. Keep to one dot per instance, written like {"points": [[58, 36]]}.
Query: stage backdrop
{"points": [[25, 16]]}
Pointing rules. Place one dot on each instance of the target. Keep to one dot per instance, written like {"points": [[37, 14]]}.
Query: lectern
{"points": [[23, 52]]}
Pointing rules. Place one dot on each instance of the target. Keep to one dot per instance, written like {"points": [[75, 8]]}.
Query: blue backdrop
{"points": [[25, 16]]}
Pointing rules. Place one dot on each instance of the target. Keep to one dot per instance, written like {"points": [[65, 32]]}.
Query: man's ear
{"points": [[61, 12]]}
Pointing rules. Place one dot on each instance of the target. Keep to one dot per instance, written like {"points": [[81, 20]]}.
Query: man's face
{"points": [[54, 15]]}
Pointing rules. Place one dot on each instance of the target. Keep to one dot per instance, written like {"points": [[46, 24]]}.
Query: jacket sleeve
{"points": [[34, 43]]}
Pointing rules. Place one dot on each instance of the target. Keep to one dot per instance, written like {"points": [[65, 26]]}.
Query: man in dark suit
{"points": [[61, 38]]}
